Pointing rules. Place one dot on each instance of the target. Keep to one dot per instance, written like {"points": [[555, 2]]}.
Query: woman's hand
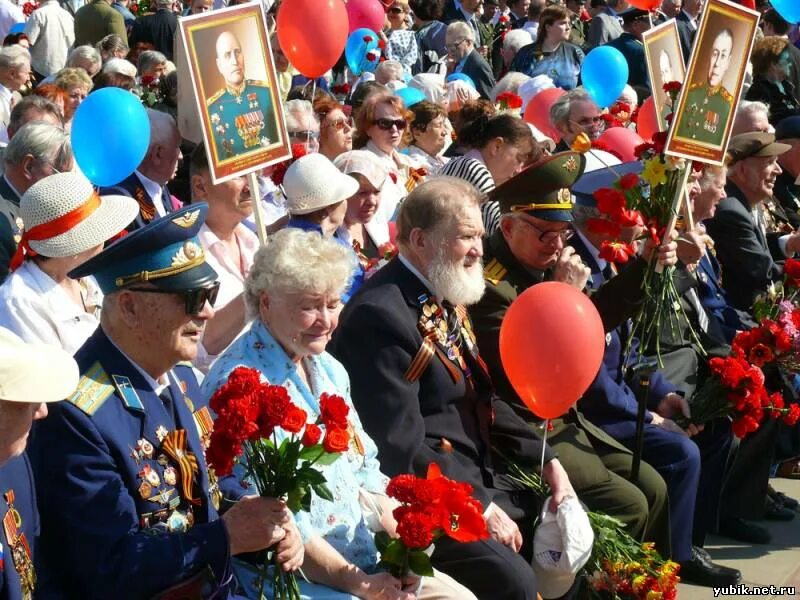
{"points": [[290, 549], [382, 586]]}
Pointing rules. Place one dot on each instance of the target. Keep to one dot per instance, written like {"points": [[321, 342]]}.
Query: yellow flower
{"points": [[581, 143], [655, 172], [638, 582], [648, 546], [654, 595]]}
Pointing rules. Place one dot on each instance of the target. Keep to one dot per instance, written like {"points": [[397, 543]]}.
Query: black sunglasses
{"points": [[387, 124], [194, 299]]}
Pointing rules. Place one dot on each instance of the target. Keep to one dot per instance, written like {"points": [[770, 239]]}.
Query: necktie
{"points": [[169, 404], [702, 317]]}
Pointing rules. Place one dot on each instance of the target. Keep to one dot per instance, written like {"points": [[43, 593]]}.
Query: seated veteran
{"points": [[527, 248], [692, 463], [424, 395], [293, 292], [24, 390], [38, 301], [129, 508]]}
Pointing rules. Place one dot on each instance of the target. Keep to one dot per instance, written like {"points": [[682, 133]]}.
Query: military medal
{"points": [[144, 448], [177, 522], [170, 476], [145, 490], [18, 544], [150, 476], [161, 433]]}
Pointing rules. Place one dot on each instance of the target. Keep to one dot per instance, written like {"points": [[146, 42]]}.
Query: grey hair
{"points": [[710, 172], [560, 111], [297, 261], [433, 204], [516, 39], [752, 106], [121, 66], [461, 29], [150, 58], [581, 214], [29, 104], [46, 143], [294, 110], [14, 57], [391, 68], [79, 54], [162, 128], [510, 82]]}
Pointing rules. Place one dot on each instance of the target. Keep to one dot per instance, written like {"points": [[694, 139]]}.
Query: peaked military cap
{"points": [[543, 189], [587, 185], [165, 253], [755, 143], [632, 14]]}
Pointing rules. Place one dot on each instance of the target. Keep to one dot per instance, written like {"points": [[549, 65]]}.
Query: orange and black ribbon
{"points": [[175, 445]]}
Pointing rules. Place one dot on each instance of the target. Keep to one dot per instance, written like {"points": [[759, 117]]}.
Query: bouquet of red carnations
{"points": [[429, 508], [249, 413]]}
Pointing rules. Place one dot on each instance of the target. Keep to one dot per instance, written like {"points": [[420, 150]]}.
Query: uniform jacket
{"points": [[480, 72], [686, 34], [96, 20], [435, 417], [16, 478], [242, 122], [157, 29], [633, 51], [104, 496], [715, 299], [132, 186], [705, 114], [603, 28]]}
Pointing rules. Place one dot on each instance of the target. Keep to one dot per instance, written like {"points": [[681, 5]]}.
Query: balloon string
{"points": [[313, 94], [544, 445]]}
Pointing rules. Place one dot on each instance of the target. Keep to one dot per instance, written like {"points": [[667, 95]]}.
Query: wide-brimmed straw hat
{"points": [[64, 216], [313, 182]]}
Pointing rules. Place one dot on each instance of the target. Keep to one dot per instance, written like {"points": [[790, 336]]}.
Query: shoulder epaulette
{"points": [[726, 95], [215, 97], [93, 390], [494, 272], [696, 85], [257, 82]]}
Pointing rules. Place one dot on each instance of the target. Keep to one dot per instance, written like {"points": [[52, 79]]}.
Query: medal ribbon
{"points": [[174, 444]]}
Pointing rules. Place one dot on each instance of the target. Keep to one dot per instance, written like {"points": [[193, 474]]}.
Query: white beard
{"points": [[456, 283]]}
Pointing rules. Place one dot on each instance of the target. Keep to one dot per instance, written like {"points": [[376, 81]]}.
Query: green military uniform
{"points": [[705, 113], [242, 120], [577, 32], [598, 465]]}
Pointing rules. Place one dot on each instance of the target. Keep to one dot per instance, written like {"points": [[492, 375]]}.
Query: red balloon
{"points": [[645, 4], [551, 345], [647, 123], [622, 140], [365, 13], [537, 113], [312, 33]]}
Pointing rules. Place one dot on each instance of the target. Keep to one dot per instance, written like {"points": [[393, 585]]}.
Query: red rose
{"points": [[629, 181], [294, 419], [604, 227], [312, 435], [336, 440], [333, 411], [791, 417], [416, 529]]}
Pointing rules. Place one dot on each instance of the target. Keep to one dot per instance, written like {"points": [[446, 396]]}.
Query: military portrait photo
{"points": [[711, 89], [235, 89], [662, 48]]}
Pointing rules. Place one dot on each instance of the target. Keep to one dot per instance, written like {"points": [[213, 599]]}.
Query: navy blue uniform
{"points": [[17, 499]]}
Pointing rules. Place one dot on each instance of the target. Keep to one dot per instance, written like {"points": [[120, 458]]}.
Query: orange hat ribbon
{"points": [[45, 231]]}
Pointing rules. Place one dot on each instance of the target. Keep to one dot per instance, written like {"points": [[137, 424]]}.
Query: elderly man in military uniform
{"points": [[129, 507], [708, 105], [241, 114]]}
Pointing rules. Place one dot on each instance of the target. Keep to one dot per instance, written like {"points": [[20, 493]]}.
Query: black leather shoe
{"points": [[700, 570], [775, 511], [783, 499], [743, 531]]}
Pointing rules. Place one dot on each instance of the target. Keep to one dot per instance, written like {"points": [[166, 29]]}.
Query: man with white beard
{"points": [[423, 392]]}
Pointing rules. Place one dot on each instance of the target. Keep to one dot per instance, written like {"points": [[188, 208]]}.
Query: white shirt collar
{"points": [[154, 190], [601, 262], [416, 273], [5, 93]]}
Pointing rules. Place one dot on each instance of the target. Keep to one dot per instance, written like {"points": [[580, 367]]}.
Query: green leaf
{"points": [[312, 453], [322, 491], [311, 475], [382, 540], [305, 503], [328, 458], [420, 563], [294, 499], [395, 553]]}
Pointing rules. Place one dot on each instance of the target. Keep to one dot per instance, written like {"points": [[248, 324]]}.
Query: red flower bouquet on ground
{"points": [[429, 508], [249, 413]]}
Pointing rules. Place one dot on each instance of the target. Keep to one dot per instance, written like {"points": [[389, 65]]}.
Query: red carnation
{"points": [[792, 416], [416, 529], [791, 269], [629, 181], [336, 440], [604, 227], [312, 435], [630, 218], [294, 419], [274, 403], [333, 411], [760, 355], [673, 86], [610, 201], [402, 488], [510, 100]]}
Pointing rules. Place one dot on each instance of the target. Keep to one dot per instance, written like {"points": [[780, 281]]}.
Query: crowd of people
{"points": [[398, 238]]}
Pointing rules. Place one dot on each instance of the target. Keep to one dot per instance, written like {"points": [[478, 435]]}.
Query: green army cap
{"points": [[755, 143], [543, 189]]}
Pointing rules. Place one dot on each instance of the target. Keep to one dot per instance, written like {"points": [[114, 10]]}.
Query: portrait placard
{"points": [[235, 89], [662, 49], [710, 94]]}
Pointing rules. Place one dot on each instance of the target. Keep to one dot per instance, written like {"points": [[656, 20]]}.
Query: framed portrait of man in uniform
{"points": [[235, 89], [662, 49], [701, 127]]}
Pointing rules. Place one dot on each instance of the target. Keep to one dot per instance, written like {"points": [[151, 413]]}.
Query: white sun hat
{"points": [[22, 366], [362, 162], [312, 182], [64, 216]]}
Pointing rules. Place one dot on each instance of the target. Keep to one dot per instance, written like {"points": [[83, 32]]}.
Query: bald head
{"points": [[230, 60]]}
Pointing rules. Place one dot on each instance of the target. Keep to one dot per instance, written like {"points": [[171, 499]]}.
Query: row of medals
{"points": [[434, 324]]}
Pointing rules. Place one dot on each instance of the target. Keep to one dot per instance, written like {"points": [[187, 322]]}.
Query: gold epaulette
{"points": [[257, 82], [215, 97], [93, 390], [494, 272], [694, 86], [421, 361], [726, 95]]}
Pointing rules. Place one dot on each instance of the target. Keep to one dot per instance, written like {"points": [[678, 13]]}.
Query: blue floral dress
{"points": [[340, 522]]}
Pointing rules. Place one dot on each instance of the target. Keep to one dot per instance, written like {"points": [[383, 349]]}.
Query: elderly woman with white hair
{"points": [[302, 124], [293, 293]]}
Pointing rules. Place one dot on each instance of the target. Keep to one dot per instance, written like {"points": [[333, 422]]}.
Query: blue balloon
{"points": [[410, 96], [788, 9], [110, 135], [461, 77], [604, 74], [362, 52], [17, 28]]}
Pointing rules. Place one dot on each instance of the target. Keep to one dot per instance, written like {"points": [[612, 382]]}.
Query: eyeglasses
{"points": [[340, 124], [396, 10], [387, 124], [305, 136], [549, 237], [194, 299], [588, 122], [455, 45]]}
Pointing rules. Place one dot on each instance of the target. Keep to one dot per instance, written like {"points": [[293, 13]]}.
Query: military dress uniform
{"points": [[705, 113], [242, 120], [19, 531], [127, 501]]}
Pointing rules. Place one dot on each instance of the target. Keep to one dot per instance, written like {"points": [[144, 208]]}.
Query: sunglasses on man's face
{"points": [[304, 136], [194, 299], [387, 124]]}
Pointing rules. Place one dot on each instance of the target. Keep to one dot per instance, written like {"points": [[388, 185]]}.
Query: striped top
{"points": [[473, 171]]}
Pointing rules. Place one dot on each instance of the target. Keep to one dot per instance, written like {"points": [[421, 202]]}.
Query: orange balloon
{"points": [[647, 123], [551, 345], [645, 4], [622, 140], [313, 34], [537, 113]]}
